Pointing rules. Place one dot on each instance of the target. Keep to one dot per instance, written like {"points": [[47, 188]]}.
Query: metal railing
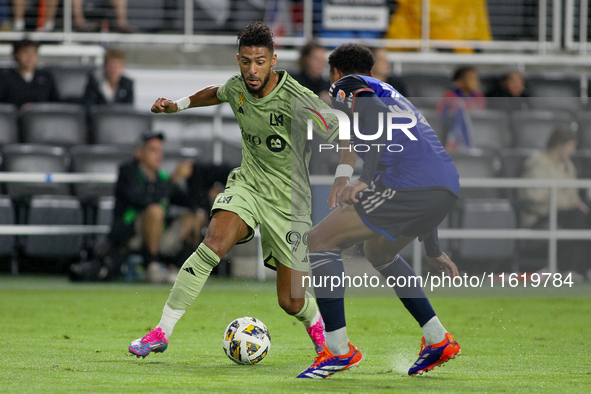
{"points": [[184, 27], [576, 18], [553, 234]]}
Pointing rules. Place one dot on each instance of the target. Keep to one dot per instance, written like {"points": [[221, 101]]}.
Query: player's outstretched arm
{"points": [[204, 97]]}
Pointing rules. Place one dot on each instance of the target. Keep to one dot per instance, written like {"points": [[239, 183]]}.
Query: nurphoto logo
{"points": [[398, 118]]}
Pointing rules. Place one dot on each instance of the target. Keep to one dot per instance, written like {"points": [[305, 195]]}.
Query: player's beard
{"points": [[260, 88]]}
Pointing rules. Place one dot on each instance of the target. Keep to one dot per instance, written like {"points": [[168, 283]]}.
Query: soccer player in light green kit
{"points": [[270, 189]]}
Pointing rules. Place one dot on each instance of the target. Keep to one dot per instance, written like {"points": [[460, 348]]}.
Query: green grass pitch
{"points": [[62, 337]]}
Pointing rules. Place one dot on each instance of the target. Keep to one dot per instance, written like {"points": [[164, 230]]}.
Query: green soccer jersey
{"points": [[275, 146]]}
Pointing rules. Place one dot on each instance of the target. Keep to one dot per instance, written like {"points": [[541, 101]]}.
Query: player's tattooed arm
{"points": [[347, 157], [202, 98]]}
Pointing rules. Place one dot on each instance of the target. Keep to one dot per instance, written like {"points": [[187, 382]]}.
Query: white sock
{"points": [[337, 341], [18, 25], [48, 26], [433, 331], [169, 318], [315, 319]]}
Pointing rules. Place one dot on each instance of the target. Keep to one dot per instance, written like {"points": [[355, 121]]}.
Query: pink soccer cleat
{"points": [[154, 341]]}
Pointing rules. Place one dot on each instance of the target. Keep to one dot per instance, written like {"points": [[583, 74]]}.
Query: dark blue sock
{"points": [[330, 299], [412, 295]]}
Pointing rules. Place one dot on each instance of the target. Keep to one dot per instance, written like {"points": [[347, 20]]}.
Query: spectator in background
{"points": [[382, 70], [19, 6], [143, 194], [555, 163], [465, 86], [312, 64], [455, 105], [120, 8], [511, 85], [25, 83], [109, 85]]}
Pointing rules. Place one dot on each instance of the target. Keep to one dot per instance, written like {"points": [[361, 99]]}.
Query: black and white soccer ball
{"points": [[246, 340]]}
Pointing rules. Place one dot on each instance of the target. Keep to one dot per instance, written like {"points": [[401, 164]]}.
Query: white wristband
{"points": [[183, 103], [343, 170]]}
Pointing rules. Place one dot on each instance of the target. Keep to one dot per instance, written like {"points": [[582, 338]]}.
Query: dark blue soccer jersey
{"points": [[403, 163]]}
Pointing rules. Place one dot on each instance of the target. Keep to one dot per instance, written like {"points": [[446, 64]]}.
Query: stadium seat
{"points": [[582, 161], [118, 124], [54, 124], [97, 159], [53, 210], [231, 153], [531, 129], [204, 151], [34, 158], [584, 130], [424, 90], [487, 214], [7, 217], [488, 81], [8, 124], [231, 141], [512, 160], [70, 80], [173, 155], [555, 92], [490, 129], [476, 163], [185, 128], [230, 129], [104, 216]]}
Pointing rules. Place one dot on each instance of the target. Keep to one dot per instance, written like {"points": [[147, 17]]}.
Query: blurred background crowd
{"points": [[493, 78]]}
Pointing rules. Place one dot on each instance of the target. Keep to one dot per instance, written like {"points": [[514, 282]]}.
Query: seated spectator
{"points": [[555, 163], [143, 194], [109, 85], [26, 83], [465, 85], [511, 85], [455, 105], [312, 64], [382, 70]]}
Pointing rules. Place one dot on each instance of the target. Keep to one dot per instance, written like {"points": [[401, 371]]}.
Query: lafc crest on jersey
{"points": [[241, 102]]}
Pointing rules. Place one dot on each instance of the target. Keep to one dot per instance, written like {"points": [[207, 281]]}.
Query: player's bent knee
{"points": [[291, 306], [218, 247], [318, 241]]}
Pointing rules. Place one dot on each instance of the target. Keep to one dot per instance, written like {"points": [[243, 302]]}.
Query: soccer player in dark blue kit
{"points": [[407, 187]]}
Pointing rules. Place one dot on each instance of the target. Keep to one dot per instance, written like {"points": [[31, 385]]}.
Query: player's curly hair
{"points": [[351, 59], [256, 34]]}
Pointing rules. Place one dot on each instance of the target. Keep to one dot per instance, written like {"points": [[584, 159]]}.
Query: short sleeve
{"points": [[222, 93]]}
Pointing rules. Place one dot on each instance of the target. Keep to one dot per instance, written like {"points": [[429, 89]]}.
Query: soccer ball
{"points": [[246, 340]]}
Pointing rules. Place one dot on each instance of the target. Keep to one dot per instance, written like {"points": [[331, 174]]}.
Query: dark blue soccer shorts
{"points": [[410, 212]]}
